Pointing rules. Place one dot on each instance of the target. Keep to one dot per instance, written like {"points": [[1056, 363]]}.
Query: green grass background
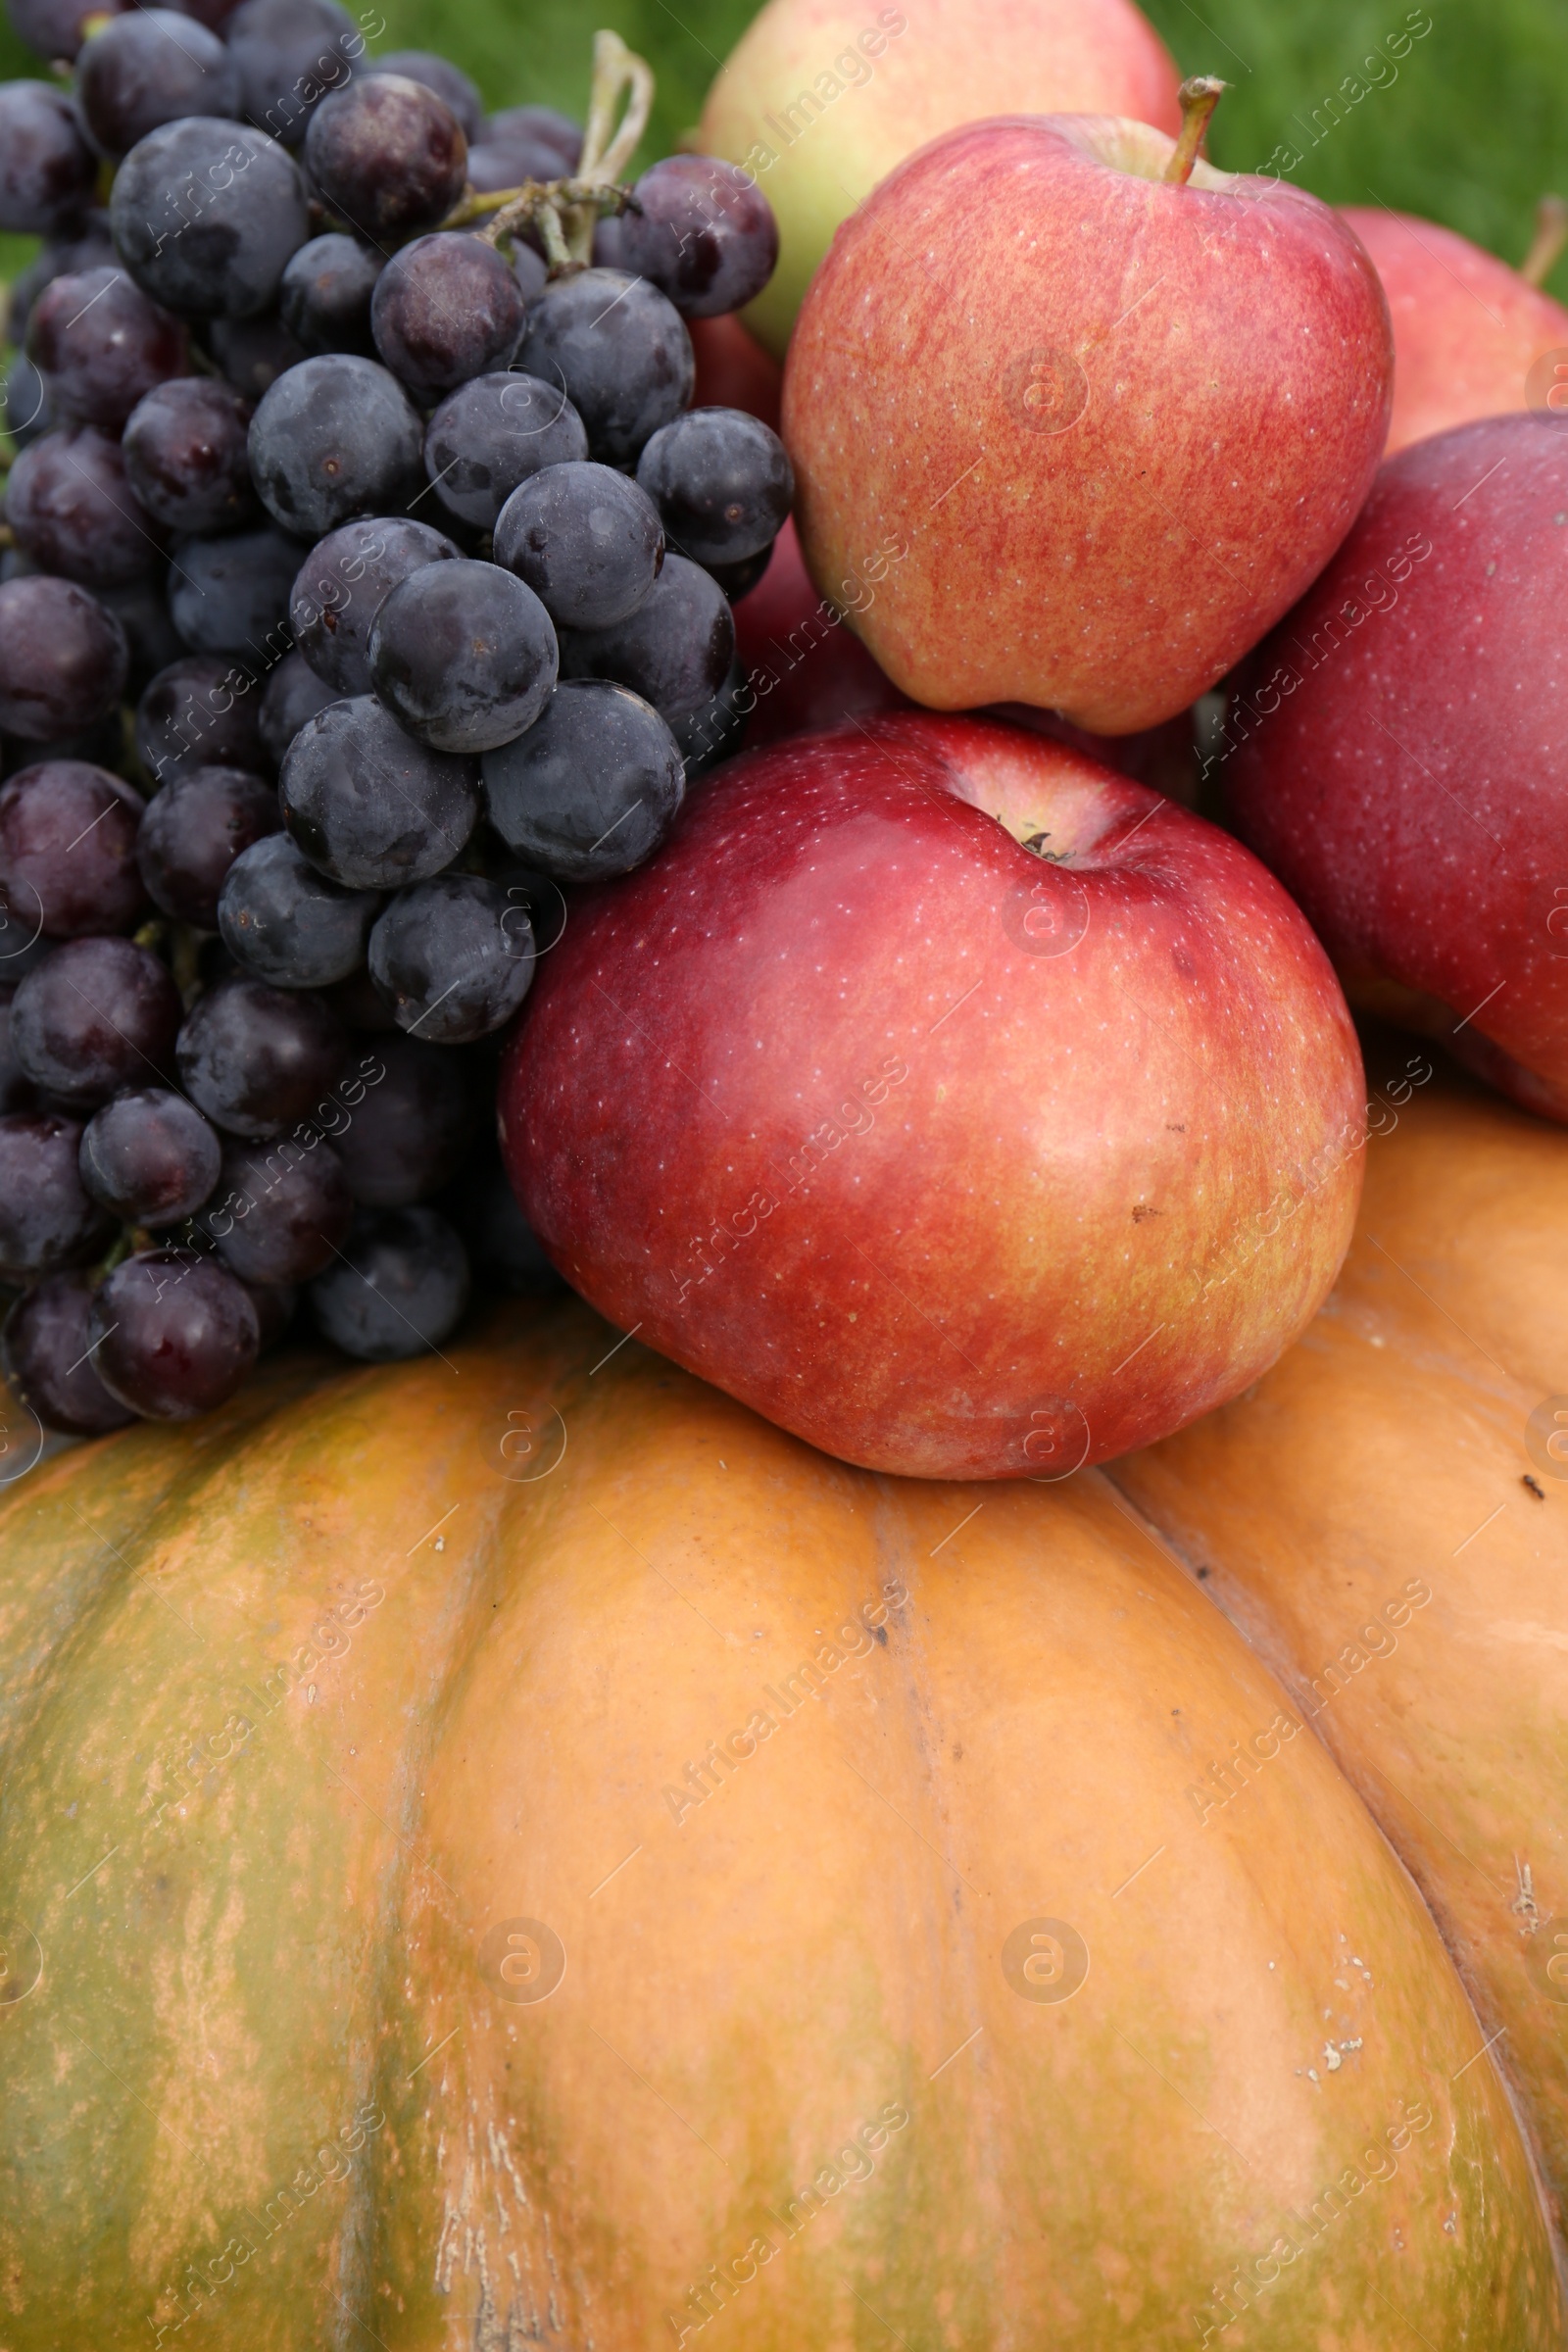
{"points": [[1473, 130]]}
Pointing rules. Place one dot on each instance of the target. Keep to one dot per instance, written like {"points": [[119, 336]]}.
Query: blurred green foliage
{"points": [[1468, 128]]}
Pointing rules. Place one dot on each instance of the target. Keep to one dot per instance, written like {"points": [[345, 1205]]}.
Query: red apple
{"points": [[733, 370], [1471, 337], [957, 1157], [804, 668], [1121, 421], [1401, 751]]}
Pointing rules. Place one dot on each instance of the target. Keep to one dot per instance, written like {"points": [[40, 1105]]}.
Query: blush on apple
{"points": [[1471, 337], [968, 1110], [1121, 417], [1401, 751]]}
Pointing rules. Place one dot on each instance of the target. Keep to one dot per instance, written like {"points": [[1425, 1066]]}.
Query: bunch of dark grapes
{"points": [[367, 589]]}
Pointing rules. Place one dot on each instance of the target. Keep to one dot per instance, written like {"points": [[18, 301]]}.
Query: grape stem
{"points": [[1200, 95], [1552, 235], [122, 1246], [565, 211]]}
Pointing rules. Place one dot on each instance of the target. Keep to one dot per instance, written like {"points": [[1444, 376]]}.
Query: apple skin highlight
{"points": [[1122, 425], [957, 1159]]}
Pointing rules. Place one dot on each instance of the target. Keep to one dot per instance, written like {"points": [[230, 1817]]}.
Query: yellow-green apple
{"points": [[1401, 751], [1122, 418], [1471, 337], [965, 1108], [822, 98]]}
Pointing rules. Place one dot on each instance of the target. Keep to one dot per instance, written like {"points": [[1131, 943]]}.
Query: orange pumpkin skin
{"points": [[1381, 1518], [340, 1727]]}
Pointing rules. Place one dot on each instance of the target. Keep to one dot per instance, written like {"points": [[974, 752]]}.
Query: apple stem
{"points": [[1200, 96], [1552, 235]]}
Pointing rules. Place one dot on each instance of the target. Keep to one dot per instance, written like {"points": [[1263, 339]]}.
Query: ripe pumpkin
{"points": [[1385, 1517], [514, 1849]]}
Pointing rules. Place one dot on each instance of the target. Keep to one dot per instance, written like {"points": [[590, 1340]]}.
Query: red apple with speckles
{"points": [[967, 1108], [1121, 421], [1471, 337], [1401, 751]]}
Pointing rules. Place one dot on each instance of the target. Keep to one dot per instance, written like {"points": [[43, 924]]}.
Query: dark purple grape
{"points": [[63, 658], [402, 1286], [200, 711], [609, 243], [74, 513], [55, 28], [27, 412], [368, 806], [46, 1349], [256, 1059], [18, 1091], [387, 155], [186, 457], [102, 345], [713, 732], [151, 639], [252, 352], [99, 745], [409, 1133], [620, 351], [446, 307], [454, 958], [543, 124], [675, 650], [231, 595], [174, 1334], [46, 1217], [149, 1157], [739, 579], [502, 1245], [294, 694], [464, 655], [100, 1014], [291, 53], [206, 214], [287, 923], [193, 831], [47, 169], [493, 433], [325, 301], [342, 585], [336, 436], [358, 1004], [497, 163], [87, 249], [592, 789], [68, 849], [279, 1212], [721, 481], [275, 1304], [213, 14], [705, 234], [587, 541], [149, 67], [448, 82], [530, 270]]}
